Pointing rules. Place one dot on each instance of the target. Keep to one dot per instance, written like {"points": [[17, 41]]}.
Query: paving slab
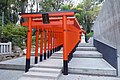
{"points": [[50, 63], [42, 75], [19, 63], [85, 45], [31, 78], [49, 70], [86, 49], [86, 77], [59, 52], [87, 54], [57, 56], [33, 53], [10, 74], [16, 63], [96, 66]]}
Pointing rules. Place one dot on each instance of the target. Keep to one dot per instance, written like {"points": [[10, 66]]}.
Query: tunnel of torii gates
{"points": [[56, 30]]}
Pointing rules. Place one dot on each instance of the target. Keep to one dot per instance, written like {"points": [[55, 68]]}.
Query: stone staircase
{"points": [[87, 54], [43, 73], [86, 60], [50, 69]]}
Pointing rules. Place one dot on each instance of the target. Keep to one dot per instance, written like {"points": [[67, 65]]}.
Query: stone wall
{"points": [[107, 32]]}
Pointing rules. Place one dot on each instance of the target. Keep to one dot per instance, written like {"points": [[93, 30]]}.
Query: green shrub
{"points": [[33, 40], [15, 34], [89, 35]]}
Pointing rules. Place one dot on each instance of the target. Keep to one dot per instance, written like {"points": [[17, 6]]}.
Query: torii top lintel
{"points": [[54, 17], [51, 14]]}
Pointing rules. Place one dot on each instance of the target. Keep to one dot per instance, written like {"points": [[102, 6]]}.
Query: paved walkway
{"points": [[10, 74], [16, 63], [86, 77], [15, 75]]}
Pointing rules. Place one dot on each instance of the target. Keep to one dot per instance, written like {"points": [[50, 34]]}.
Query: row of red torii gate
{"points": [[56, 30]]}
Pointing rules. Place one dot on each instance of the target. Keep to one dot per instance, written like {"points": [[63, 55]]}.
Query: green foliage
{"points": [[11, 9], [50, 5], [0, 29], [87, 13], [65, 7], [33, 40], [89, 35], [15, 34], [0, 21], [46, 5]]}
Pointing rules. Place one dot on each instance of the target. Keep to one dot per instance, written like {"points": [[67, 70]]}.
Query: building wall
{"points": [[107, 32]]}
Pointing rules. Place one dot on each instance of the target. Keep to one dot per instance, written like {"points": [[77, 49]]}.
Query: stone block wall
{"points": [[107, 32]]}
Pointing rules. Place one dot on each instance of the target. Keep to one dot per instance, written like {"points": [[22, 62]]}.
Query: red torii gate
{"points": [[62, 29]]}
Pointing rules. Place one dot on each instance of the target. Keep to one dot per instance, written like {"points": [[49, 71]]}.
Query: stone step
{"points": [[33, 53], [44, 75], [48, 70], [57, 55], [78, 54], [85, 45], [33, 78], [96, 66], [61, 49], [87, 54], [86, 49], [59, 52], [50, 63], [16, 63]]}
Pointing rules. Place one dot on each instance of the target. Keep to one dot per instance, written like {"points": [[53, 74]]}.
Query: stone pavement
{"points": [[10, 74], [15, 75], [16, 63], [96, 66], [49, 69], [86, 77]]}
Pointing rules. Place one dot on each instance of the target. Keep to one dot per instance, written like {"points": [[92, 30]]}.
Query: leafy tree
{"points": [[11, 32], [50, 5], [11, 9], [68, 6], [3, 8], [65, 7], [87, 12], [0, 21]]}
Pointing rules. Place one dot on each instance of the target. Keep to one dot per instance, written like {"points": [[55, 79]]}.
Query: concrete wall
{"points": [[107, 32]]}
